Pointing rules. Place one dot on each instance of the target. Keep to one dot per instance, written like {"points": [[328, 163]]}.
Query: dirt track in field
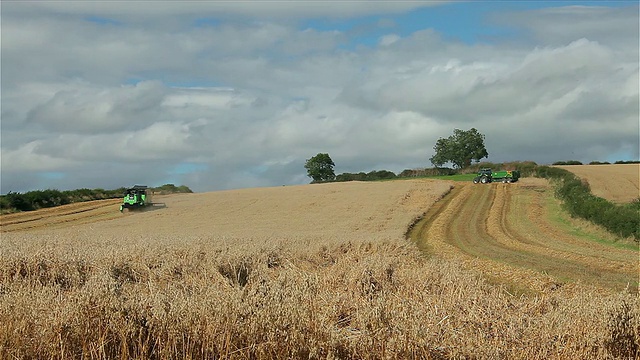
{"points": [[615, 182], [511, 232]]}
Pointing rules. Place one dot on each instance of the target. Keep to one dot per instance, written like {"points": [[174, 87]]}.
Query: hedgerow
{"points": [[622, 220], [38, 199], [568, 162]]}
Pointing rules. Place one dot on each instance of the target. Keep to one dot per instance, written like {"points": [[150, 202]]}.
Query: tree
{"points": [[460, 149], [320, 168]]}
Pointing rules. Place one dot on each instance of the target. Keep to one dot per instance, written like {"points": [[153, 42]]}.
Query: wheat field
{"points": [[615, 182], [321, 271]]}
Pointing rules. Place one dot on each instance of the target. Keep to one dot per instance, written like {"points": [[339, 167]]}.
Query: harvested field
{"points": [[61, 216], [615, 182], [317, 272], [509, 231]]}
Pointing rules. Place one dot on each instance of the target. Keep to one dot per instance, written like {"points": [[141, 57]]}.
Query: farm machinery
{"points": [[136, 197], [486, 176]]}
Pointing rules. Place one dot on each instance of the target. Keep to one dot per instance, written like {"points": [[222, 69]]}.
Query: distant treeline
{"points": [[620, 219], [576, 162], [526, 168], [370, 176], [38, 199], [170, 189]]}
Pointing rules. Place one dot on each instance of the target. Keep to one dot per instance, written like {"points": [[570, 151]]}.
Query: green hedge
{"points": [[370, 176], [627, 162], [422, 172], [622, 220], [38, 199], [568, 162]]}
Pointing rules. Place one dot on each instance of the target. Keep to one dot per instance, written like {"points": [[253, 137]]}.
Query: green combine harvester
{"points": [[136, 197], [486, 176]]}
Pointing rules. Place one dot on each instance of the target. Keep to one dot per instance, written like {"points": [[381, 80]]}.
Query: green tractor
{"points": [[136, 197], [486, 176]]}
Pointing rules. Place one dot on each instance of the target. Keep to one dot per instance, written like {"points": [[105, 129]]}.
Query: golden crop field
{"points": [[521, 225], [615, 182], [323, 271]]}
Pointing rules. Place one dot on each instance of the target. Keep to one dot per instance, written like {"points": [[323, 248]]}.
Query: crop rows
{"points": [[318, 272], [501, 224]]}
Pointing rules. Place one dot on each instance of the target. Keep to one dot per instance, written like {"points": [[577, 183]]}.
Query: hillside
{"points": [[321, 211], [319, 271]]}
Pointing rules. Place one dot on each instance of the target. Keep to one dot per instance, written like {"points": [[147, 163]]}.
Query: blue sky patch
{"points": [[466, 22]]}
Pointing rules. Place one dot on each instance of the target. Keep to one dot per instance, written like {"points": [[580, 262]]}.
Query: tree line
{"points": [[526, 168], [38, 199], [460, 149], [576, 162]]}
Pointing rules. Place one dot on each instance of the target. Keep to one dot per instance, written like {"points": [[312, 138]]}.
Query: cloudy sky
{"points": [[222, 94]]}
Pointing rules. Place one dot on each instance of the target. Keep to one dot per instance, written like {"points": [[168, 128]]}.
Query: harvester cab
{"points": [[484, 176], [136, 197]]}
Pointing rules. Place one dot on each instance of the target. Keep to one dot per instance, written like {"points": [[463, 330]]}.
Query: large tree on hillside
{"points": [[320, 168], [460, 149]]}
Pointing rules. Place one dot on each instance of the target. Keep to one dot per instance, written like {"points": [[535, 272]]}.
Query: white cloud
{"points": [[146, 10], [28, 157], [206, 97], [616, 26], [389, 39], [252, 100], [87, 109]]}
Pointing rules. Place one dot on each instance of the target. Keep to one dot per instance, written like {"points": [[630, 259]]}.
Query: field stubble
{"points": [[508, 230], [319, 271]]}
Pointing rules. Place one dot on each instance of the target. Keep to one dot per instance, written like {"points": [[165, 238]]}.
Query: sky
{"points": [[221, 95]]}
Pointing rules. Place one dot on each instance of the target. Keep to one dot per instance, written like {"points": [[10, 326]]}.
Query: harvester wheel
{"points": [[484, 180], [476, 180]]}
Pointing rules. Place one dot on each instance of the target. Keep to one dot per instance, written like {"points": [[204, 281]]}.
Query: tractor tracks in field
{"points": [[77, 213], [505, 230]]}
